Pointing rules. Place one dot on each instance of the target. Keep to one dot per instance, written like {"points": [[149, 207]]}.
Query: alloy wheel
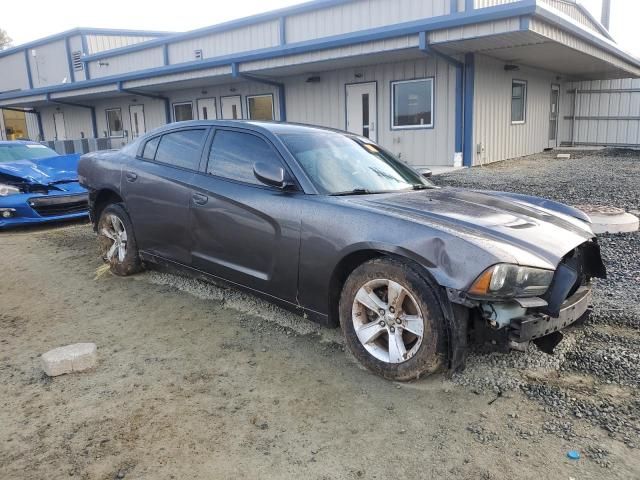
{"points": [[387, 321], [113, 229]]}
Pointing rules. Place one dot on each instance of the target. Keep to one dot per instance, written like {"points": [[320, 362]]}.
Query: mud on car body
{"points": [[331, 225]]}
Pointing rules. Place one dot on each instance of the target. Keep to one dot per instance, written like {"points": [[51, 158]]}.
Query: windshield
{"points": [[21, 151], [339, 164]]}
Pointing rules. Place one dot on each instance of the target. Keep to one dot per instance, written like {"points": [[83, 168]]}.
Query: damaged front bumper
{"points": [[537, 325]]}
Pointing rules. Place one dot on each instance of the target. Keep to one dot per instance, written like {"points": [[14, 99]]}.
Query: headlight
{"points": [[6, 190], [505, 280]]}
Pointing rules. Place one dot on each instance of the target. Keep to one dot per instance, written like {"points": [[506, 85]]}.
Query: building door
{"points": [[553, 116], [58, 123], [207, 109], [231, 107], [362, 109], [138, 127]]}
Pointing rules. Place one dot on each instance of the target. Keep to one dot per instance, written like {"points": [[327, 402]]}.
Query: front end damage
{"points": [[512, 323]]}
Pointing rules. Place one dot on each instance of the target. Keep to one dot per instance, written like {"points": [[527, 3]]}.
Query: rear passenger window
{"points": [[181, 149], [150, 148], [233, 154]]}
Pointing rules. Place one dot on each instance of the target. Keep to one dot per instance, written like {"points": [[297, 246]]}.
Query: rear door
{"points": [[244, 231], [157, 191]]}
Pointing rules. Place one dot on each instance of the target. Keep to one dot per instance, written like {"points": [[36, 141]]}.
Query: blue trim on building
{"points": [[524, 23], [83, 31], [454, 6], [67, 49], [469, 5], [28, 67], [167, 104], [469, 90], [283, 30], [165, 53], [85, 52]]}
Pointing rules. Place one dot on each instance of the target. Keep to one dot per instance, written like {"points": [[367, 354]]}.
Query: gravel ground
{"points": [[595, 372]]}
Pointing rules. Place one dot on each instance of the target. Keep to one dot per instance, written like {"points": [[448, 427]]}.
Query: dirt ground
{"points": [[198, 382]]}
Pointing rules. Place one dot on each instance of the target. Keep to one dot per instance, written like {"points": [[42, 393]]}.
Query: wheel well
{"points": [[340, 274], [103, 198]]}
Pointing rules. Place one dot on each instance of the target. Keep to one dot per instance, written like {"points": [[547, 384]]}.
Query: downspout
{"points": [[427, 50], [282, 104], [92, 110], [573, 118], [167, 106]]}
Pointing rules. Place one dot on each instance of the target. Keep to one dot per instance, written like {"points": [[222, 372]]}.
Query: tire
{"points": [[117, 241], [409, 356]]}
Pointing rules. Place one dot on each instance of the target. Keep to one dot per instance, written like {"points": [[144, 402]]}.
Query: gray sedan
{"points": [[333, 226]]}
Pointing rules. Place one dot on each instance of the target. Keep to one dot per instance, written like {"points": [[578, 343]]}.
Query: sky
{"points": [[48, 17]]}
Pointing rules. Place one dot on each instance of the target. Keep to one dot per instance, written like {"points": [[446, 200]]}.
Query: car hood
{"points": [[515, 231], [43, 171]]}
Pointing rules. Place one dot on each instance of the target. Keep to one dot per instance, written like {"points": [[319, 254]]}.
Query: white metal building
{"points": [[435, 81]]}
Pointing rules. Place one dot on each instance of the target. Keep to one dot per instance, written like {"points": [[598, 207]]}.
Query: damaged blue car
{"points": [[37, 185]]}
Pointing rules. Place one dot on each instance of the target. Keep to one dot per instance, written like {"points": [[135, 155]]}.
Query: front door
{"points": [[207, 109], [362, 110], [138, 127], [553, 116], [231, 107], [58, 123], [244, 231]]}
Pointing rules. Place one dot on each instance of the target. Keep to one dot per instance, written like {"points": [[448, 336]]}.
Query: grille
{"points": [[55, 206]]}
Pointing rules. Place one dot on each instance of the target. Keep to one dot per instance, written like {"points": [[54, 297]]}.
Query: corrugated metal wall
{"points": [[98, 43], [493, 129], [262, 35], [77, 121], [323, 104], [130, 62], [49, 65], [607, 112], [13, 74], [360, 15]]}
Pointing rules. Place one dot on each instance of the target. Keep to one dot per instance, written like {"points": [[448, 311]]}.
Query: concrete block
{"points": [[71, 358], [610, 219], [563, 156]]}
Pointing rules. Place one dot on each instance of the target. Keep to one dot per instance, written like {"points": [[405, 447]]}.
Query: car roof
{"points": [[277, 128], [4, 143]]}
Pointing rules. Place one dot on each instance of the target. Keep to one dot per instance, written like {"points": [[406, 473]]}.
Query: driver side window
{"points": [[233, 155]]}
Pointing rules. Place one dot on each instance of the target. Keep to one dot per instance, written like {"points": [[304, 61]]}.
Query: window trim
{"points": [[222, 107], [173, 110], [273, 108], [524, 102], [428, 126], [207, 158], [106, 114]]}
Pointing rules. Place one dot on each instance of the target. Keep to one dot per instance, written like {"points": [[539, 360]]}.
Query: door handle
{"points": [[131, 177], [200, 199]]}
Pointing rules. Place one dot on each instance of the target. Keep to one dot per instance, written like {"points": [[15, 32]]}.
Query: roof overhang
{"points": [[546, 39]]}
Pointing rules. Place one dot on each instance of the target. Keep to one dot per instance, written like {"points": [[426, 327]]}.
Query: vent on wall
{"points": [[198, 54], [77, 61]]}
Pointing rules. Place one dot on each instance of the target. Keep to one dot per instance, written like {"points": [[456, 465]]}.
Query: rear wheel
{"points": [[392, 321], [117, 241]]}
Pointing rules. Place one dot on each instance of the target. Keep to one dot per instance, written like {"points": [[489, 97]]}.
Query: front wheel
{"points": [[392, 321], [117, 241]]}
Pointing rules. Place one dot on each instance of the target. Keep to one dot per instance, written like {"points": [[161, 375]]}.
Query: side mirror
{"points": [[269, 174]]}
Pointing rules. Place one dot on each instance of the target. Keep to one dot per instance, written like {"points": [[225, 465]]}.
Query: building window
{"points": [[260, 107], [183, 111], [76, 57], [518, 101], [412, 104], [114, 122]]}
